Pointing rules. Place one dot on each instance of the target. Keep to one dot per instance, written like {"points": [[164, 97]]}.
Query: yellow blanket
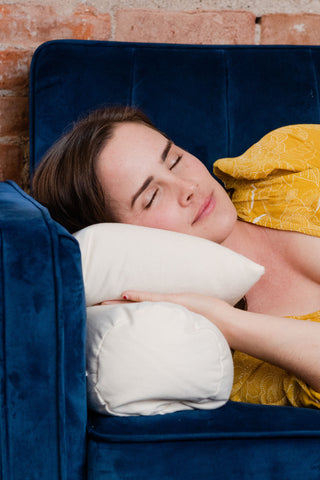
{"points": [[276, 183]]}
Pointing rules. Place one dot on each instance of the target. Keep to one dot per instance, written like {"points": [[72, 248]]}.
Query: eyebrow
{"points": [[145, 185], [141, 189], [166, 150]]}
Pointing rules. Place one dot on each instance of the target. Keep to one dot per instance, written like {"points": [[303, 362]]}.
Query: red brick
{"points": [[30, 25], [205, 27], [88, 23], [11, 163], [14, 69], [13, 116], [290, 29]]}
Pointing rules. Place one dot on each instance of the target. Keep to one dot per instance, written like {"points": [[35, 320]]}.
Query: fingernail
{"points": [[125, 297]]}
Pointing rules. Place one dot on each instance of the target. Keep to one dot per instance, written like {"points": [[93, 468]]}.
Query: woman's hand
{"points": [[291, 344], [112, 302], [202, 304], [215, 310]]}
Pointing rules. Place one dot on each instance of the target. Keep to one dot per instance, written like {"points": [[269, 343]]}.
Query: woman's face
{"points": [[149, 181]]}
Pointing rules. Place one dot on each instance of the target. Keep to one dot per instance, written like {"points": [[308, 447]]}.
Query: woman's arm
{"points": [[291, 344]]}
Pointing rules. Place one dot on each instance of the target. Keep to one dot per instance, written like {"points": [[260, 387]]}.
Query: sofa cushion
{"points": [[237, 441]]}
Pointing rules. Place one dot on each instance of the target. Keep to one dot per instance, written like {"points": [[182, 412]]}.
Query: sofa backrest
{"points": [[215, 101]]}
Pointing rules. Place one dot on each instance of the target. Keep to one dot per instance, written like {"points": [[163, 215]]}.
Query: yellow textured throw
{"points": [[276, 184]]}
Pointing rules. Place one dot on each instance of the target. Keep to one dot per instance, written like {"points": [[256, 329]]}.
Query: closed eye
{"points": [[151, 199], [176, 162]]}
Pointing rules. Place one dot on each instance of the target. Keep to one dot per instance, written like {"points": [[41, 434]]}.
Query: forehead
{"points": [[131, 154], [129, 139]]}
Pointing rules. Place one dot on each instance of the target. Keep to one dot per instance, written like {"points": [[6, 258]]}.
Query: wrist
{"points": [[228, 319]]}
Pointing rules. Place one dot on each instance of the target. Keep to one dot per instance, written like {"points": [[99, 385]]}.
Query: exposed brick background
{"points": [[29, 25], [11, 166], [13, 116], [14, 68], [225, 27], [302, 29], [25, 25]]}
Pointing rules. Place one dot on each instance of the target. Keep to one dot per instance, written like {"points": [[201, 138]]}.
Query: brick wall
{"points": [[25, 25]]}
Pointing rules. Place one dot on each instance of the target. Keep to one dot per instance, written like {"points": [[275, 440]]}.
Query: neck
{"points": [[251, 241]]}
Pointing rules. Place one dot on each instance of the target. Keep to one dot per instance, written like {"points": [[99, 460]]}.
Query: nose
{"points": [[186, 191]]}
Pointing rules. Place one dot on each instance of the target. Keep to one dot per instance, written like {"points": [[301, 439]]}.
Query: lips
{"points": [[205, 209]]}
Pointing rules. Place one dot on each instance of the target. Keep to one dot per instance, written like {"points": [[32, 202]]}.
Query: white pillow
{"points": [[155, 358], [118, 257]]}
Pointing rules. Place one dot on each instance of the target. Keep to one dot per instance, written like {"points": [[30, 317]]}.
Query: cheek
{"points": [[166, 219], [196, 168]]}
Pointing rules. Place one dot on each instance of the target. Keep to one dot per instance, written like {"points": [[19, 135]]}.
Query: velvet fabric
{"points": [[214, 101], [238, 441], [42, 368]]}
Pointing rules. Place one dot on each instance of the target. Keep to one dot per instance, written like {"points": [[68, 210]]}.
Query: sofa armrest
{"points": [[42, 368]]}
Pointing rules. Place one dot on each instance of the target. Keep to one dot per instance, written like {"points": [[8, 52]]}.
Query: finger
{"points": [[137, 296], [112, 302]]}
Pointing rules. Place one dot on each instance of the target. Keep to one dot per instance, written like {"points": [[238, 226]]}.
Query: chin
{"points": [[223, 227]]}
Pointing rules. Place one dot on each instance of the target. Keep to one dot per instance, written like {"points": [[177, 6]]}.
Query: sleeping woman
{"points": [[115, 166]]}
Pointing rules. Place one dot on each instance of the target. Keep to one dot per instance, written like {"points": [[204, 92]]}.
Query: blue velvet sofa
{"points": [[215, 101]]}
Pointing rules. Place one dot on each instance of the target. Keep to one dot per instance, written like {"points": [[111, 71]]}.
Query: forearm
{"points": [[291, 344]]}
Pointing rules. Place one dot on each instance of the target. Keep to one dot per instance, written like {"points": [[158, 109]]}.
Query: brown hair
{"points": [[65, 181]]}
